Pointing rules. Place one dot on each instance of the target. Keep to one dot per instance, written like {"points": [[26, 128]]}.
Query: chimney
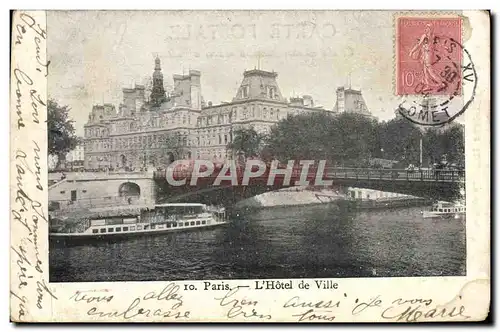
{"points": [[308, 101]]}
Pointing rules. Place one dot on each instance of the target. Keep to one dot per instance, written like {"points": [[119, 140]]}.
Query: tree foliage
{"points": [[350, 139], [246, 141], [400, 140], [449, 142], [60, 130], [344, 139]]}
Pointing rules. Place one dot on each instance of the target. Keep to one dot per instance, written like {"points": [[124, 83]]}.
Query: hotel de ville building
{"points": [[153, 128]]}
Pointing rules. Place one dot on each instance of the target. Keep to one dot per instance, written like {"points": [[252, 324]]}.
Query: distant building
{"points": [[428, 104], [152, 131], [75, 158], [77, 154], [351, 101]]}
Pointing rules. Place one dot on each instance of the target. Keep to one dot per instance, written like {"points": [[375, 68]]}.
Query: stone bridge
{"points": [[104, 189], [436, 185]]}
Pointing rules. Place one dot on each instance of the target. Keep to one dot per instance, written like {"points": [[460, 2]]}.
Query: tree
{"points": [[350, 140], [354, 139], [400, 140], [449, 142], [432, 146], [344, 139], [298, 137], [60, 131], [454, 144], [246, 141]]}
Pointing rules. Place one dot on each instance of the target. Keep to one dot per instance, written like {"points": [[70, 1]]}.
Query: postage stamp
{"points": [[249, 166], [435, 74], [429, 56]]}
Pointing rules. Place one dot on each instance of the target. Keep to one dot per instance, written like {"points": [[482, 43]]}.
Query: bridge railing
{"points": [[431, 175], [395, 174]]}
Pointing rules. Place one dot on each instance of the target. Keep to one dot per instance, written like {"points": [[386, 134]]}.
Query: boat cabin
{"points": [[446, 207], [173, 212]]}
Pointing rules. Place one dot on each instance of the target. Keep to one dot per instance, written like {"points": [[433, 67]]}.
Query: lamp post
{"points": [[422, 131], [420, 163]]}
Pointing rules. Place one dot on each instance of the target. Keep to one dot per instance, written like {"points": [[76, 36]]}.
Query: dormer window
{"points": [[271, 92], [245, 91]]}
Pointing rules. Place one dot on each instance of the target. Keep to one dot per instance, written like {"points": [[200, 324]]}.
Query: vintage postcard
{"points": [[250, 166]]}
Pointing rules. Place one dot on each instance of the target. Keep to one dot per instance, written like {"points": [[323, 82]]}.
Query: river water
{"points": [[291, 242]]}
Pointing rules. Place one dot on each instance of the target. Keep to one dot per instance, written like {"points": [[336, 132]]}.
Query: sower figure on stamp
{"points": [[424, 51]]}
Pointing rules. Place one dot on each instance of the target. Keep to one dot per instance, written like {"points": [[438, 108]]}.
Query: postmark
{"points": [[435, 75]]}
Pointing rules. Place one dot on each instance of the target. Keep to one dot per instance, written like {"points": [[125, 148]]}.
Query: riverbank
{"points": [[390, 203], [301, 196], [296, 196]]}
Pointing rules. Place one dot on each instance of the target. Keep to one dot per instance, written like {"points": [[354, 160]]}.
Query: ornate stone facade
{"points": [[152, 131]]}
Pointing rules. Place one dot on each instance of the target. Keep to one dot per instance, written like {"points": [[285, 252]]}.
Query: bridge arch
{"points": [[129, 189], [443, 185]]}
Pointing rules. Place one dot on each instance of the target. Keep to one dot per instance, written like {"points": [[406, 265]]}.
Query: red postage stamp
{"points": [[429, 56]]}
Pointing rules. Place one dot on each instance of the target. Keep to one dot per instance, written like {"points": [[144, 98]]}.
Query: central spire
{"points": [[157, 64], [158, 91]]}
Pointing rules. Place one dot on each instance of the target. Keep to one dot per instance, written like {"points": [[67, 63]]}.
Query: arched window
{"points": [[128, 189]]}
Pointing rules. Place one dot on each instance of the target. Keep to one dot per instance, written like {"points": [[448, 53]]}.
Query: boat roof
{"points": [[98, 213], [448, 204], [179, 204], [109, 213]]}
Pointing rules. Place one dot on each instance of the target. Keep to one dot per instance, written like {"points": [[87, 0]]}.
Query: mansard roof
{"points": [[259, 84]]}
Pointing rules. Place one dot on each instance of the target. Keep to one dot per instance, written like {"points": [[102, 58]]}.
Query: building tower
{"points": [[158, 91], [350, 101]]}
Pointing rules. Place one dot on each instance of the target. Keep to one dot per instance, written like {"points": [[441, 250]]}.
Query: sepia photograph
{"points": [[390, 202]]}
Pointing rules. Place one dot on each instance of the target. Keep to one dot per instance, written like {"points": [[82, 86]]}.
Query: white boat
{"points": [[161, 218], [443, 209]]}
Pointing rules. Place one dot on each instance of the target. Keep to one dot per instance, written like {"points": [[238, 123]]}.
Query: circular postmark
{"points": [[444, 84]]}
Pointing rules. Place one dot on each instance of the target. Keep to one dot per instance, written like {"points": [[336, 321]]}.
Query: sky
{"points": [[94, 54]]}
